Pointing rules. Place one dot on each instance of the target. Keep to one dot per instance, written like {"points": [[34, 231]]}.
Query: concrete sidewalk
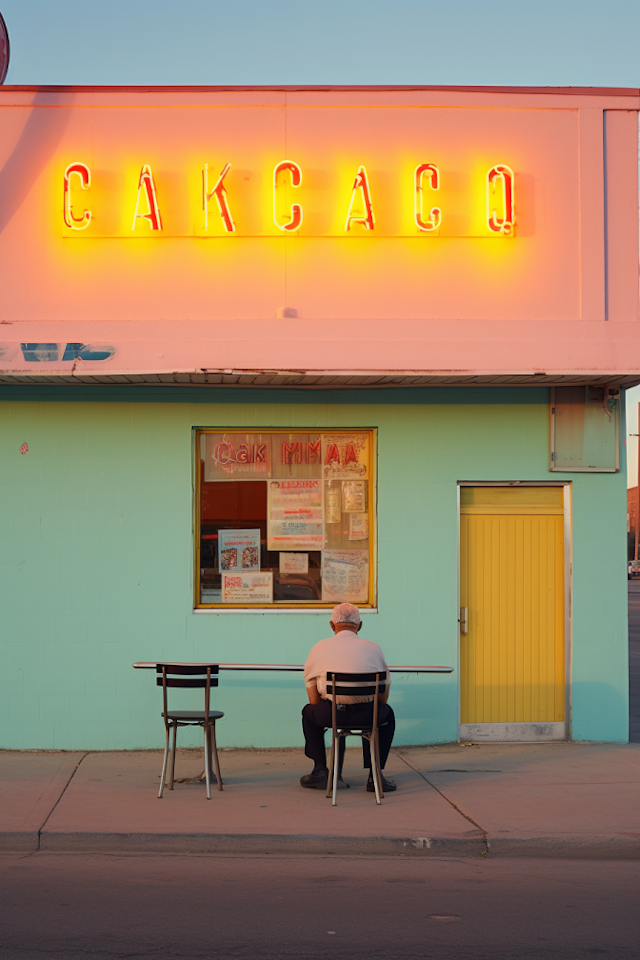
{"points": [[560, 799]]}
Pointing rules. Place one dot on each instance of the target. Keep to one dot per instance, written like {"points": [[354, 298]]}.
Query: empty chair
{"points": [[346, 685], [192, 675]]}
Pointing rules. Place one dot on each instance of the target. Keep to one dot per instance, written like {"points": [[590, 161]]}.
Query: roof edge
{"points": [[323, 88]]}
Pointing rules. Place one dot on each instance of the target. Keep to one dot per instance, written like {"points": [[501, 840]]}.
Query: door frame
{"points": [[568, 574]]}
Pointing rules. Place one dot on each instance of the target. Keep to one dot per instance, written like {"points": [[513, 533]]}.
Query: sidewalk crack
{"points": [[59, 799], [466, 816]]}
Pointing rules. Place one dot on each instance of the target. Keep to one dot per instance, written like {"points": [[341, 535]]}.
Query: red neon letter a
{"points": [[365, 214], [147, 188]]}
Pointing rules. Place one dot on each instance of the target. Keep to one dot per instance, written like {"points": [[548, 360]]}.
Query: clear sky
{"points": [[506, 42], [557, 42]]}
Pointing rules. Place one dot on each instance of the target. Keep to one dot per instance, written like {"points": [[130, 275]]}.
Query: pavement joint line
{"points": [[445, 797], [73, 773]]}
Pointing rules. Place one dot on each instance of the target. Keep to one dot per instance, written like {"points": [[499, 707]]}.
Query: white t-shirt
{"points": [[345, 652]]}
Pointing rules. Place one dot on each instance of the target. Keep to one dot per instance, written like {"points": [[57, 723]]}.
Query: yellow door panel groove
{"points": [[512, 583]]}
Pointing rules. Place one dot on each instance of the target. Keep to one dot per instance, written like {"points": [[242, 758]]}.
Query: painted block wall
{"points": [[96, 547]]}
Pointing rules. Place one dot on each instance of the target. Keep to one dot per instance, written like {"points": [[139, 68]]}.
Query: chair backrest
{"points": [[355, 684], [198, 675]]}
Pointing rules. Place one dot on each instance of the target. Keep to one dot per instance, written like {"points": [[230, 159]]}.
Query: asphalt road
{"points": [[77, 906], [634, 661]]}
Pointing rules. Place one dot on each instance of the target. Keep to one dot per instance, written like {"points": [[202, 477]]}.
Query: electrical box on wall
{"points": [[585, 429]]}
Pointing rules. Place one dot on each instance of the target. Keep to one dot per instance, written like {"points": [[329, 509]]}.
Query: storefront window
{"points": [[284, 519]]}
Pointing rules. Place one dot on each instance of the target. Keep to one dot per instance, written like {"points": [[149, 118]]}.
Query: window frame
{"points": [[289, 606]]}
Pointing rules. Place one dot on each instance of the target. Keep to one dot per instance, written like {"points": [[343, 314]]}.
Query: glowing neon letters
{"points": [[295, 220], [500, 179], [82, 171], [435, 214], [364, 214], [220, 194], [147, 187], [491, 215]]}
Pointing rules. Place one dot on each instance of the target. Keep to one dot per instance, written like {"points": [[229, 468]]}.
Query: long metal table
{"points": [[283, 667]]}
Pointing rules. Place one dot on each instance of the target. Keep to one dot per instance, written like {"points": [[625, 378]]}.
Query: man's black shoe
{"points": [[388, 786], [315, 780]]}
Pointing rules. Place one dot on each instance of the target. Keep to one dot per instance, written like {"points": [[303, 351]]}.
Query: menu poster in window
{"points": [[345, 455], [358, 526], [238, 550], [294, 563], [345, 576], [353, 496], [296, 456], [333, 501], [247, 587], [237, 456], [295, 515]]}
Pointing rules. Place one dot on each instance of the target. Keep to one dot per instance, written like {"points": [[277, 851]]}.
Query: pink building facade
{"points": [[396, 298]]}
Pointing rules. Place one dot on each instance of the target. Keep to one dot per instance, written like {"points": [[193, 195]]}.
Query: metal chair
{"points": [[346, 685], [200, 675]]}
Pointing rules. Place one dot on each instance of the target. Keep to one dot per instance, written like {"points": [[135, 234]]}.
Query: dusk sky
{"points": [[549, 42]]}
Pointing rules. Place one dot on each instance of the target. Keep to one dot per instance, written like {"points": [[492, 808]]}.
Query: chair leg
{"points": [[375, 767], [207, 768], [378, 764], [216, 762], [173, 757], [164, 762], [336, 761], [333, 749]]}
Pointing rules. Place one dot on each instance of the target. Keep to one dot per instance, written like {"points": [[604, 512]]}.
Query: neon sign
{"points": [[301, 451], [404, 205], [220, 194], [295, 218], [223, 453], [363, 214], [82, 171], [500, 180], [147, 188], [435, 214]]}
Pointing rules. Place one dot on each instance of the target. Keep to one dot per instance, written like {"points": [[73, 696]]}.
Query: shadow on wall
{"points": [[36, 145]]}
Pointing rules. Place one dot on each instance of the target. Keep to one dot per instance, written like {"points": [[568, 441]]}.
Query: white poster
{"points": [[294, 563], [358, 526], [353, 496], [295, 515], [333, 501], [345, 576], [247, 587]]}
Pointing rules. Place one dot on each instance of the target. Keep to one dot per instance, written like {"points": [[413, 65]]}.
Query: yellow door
{"points": [[512, 655]]}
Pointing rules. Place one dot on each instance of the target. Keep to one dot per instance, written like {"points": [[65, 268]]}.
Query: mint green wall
{"points": [[96, 552]]}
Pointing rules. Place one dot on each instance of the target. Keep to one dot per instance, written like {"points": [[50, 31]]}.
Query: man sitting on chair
{"points": [[344, 653]]}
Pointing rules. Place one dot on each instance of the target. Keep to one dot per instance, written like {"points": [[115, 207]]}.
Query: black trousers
{"points": [[316, 717]]}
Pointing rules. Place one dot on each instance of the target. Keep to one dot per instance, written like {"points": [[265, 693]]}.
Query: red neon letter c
{"points": [[81, 170], [295, 221]]}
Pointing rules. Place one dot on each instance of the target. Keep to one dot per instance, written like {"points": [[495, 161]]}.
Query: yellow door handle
{"points": [[464, 620]]}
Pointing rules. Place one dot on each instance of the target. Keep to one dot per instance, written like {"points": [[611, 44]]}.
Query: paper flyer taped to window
{"points": [[238, 550], [294, 563], [345, 455], [295, 520], [358, 526], [333, 501], [345, 576], [247, 587], [353, 500]]}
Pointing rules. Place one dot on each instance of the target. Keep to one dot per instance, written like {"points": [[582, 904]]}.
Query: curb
{"points": [[259, 843], [19, 841], [619, 847]]}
